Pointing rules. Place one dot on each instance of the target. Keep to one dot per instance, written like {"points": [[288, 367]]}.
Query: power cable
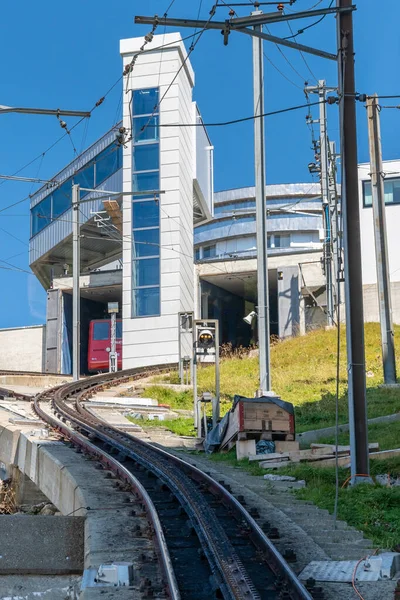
{"points": [[303, 29], [191, 50], [302, 53], [244, 119]]}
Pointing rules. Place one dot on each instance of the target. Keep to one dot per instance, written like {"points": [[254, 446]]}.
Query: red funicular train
{"points": [[99, 344]]}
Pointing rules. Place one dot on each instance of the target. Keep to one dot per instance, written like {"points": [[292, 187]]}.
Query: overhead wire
{"points": [[191, 50], [244, 119], [303, 29]]}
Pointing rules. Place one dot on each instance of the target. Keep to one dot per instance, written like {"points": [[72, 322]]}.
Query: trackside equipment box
{"points": [[264, 418]]}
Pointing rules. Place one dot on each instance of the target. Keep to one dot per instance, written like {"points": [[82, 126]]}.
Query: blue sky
{"points": [[59, 55]]}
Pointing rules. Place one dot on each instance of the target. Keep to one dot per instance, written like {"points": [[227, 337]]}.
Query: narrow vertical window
{"points": [[146, 300]]}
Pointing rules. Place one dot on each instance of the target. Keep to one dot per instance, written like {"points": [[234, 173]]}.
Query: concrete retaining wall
{"points": [[51, 545], [23, 348], [74, 485]]}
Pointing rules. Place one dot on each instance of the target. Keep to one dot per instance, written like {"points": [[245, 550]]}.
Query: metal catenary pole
{"points": [[76, 296], [252, 25], [381, 250], [352, 238], [261, 214], [324, 150]]}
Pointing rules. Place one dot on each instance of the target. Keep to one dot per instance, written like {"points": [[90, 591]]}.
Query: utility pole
{"points": [[324, 153], [381, 251], [253, 26], [76, 292], [261, 214], [352, 238], [324, 170]]}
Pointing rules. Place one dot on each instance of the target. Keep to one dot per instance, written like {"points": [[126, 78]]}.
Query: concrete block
{"points": [[51, 545], [245, 448], [281, 446]]}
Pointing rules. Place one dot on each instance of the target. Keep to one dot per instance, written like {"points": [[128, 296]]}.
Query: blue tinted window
{"points": [[146, 302], [41, 215], [146, 157], [85, 178], [209, 251], [146, 272], [197, 254], [107, 163], [146, 182], [101, 331], [118, 332], [145, 129], [146, 242], [62, 198], [145, 214], [145, 102]]}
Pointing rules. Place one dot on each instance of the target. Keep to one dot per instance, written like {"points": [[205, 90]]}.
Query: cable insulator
{"points": [[332, 100], [280, 6]]}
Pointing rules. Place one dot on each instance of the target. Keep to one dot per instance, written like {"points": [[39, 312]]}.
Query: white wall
{"points": [[392, 169], [23, 348], [152, 340]]}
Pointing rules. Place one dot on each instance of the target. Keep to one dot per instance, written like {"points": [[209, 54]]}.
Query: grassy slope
{"points": [[304, 373]]}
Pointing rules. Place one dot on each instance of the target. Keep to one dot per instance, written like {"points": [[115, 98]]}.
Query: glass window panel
{"points": [[146, 182], [145, 214], [388, 191], [146, 242], [367, 193], [146, 272], [101, 331], [146, 157], [41, 215], [62, 198], [107, 163], [197, 254], [145, 101], [146, 302], [145, 129], [396, 191], [118, 332], [281, 241], [85, 178], [209, 251]]}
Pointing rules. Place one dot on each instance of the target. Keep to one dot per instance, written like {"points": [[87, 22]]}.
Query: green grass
{"points": [[386, 434], [179, 426], [304, 373], [373, 509], [182, 400]]}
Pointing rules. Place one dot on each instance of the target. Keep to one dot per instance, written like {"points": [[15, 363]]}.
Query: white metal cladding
{"points": [[204, 160], [240, 226], [61, 228], [278, 191], [77, 164]]}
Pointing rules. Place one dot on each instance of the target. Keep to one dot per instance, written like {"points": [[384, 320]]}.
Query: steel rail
{"points": [[84, 420], [232, 577], [137, 488]]}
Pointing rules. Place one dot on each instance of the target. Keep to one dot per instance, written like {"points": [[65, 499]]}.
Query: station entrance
{"points": [[97, 290]]}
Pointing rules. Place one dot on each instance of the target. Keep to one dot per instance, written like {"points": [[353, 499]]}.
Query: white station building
{"points": [[168, 244]]}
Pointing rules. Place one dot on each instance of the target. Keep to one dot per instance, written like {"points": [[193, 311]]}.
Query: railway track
{"points": [[207, 543]]}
